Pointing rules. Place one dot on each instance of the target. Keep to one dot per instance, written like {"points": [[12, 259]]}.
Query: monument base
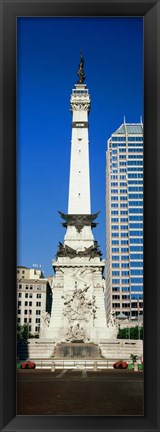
{"points": [[76, 350]]}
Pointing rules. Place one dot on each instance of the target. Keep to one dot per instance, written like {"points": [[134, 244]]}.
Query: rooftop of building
{"points": [[129, 128]]}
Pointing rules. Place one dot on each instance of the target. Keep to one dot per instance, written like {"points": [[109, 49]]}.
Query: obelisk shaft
{"points": [[79, 183]]}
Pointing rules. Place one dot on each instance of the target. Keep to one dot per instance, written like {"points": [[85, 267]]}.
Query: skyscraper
{"points": [[124, 198]]}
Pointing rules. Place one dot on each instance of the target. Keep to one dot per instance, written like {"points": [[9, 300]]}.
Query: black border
{"points": [[150, 10]]}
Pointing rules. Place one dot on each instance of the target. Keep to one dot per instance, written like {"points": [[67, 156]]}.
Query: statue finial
{"points": [[81, 74]]}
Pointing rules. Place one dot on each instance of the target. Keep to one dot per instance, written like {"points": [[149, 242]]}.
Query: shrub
{"points": [[28, 365], [120, 365]]}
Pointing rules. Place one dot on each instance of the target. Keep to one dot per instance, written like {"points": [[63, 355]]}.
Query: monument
{"points": [[78, 308]]}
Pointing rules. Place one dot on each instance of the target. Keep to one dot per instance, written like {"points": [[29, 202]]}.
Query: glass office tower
{"points": [[124, 198]]}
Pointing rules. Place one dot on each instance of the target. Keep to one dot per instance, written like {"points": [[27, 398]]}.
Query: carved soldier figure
{"points": [[81, 70]]}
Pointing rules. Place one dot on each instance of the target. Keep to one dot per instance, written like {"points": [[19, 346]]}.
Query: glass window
{"points": [[115, 242], [124, 242], [115, 249], [136, 272], [136, 280], [136, 233], [115, 234], [136, 264], [115, 257], [115, 281], [125, 281], [38, 295], [114, 265], [38, 303], [125, 257], [125, 265]]}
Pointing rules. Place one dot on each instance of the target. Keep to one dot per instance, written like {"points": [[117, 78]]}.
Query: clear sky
{"points": [[48, 56]]}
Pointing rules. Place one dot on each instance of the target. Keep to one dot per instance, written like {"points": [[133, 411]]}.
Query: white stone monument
{"points": [[78, 308]]}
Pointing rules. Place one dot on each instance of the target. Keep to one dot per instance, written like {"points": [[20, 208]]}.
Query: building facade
{"points": [[124, 221], [33, 298]]}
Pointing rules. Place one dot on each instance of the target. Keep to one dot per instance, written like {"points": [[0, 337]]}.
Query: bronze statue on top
{"points": [[81, 71]]}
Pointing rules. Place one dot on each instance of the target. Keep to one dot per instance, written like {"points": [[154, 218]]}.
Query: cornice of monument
{"points": [[79, 220]]}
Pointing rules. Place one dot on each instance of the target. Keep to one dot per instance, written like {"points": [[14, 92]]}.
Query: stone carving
{"points": [[79, 221], [80, 106], [78, 306], [45, 319], [80, 73], [67, 251], [111, 322], [76, 333]]}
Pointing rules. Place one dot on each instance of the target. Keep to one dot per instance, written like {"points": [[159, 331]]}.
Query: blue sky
{"points": [[48, 54]]}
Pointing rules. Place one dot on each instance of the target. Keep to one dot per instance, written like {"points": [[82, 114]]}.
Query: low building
{"points": [[34, 296]]}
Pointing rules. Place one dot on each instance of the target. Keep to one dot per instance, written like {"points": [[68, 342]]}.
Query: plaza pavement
{"points": [[79, 392]]}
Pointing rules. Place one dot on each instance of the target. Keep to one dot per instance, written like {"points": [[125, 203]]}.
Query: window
{"points": [[114, 205], [38, 287], [30, 303], [25, 312], [124, 212], [123, 198], [38, 303], [115, 265], [125, 265], [20, 286], [30, 320], [136, 233], [125, 289], [31, 287], [18, 320], [124, 242], [26, 303], [30, 312], [125, 257], [125, 273], [26, 287], [136, 225], [19, 303], [115, 234], [136, 257], [136, 280], [114, 227], [20, 295], [124, 234], [114, 220], [115, 242], [19, 311], [115, 281], [136, 272], [115, 249], [38, 320], [115, 289], [115, 257], [123, 205], [114, 198], [25, 320], [38, 312], [115, 273], [124, 249], [38, 295], [30, 295], [125, 281], [115, 297], [37, 329]]}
